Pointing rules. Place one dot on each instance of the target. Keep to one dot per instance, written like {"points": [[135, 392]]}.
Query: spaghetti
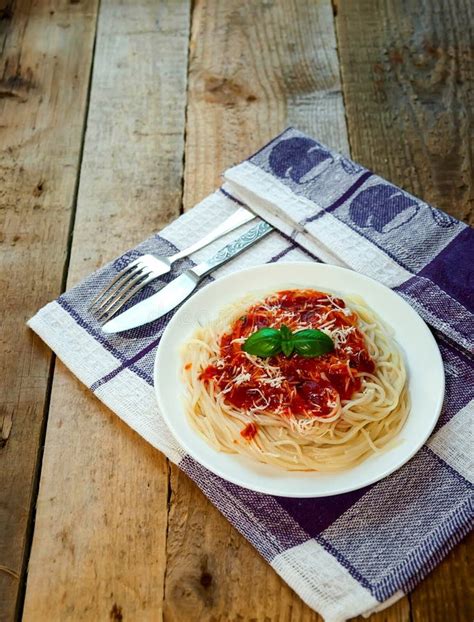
{"points": [[324, 413]]}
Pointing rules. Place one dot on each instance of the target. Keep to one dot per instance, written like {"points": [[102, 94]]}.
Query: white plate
{"points": [[423, 360]]}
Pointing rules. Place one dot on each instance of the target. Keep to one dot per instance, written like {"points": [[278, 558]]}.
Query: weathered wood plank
{"points": [[253, 70], [241, 93], [408, 89], [409, 95], [45, 61], [213, 573], [99, 541], [448, 592]]}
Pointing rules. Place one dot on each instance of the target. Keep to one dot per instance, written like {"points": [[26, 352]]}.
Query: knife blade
{"points": [[182, 286], [153, 307]]}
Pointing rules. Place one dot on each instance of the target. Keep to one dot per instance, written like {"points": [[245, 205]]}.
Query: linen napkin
{"points": [[361, 551]]}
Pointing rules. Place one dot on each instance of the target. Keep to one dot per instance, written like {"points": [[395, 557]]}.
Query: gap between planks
{"points": [[42, 436], [151, 67]]}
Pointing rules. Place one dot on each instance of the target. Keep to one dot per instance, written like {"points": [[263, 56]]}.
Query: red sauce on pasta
{"points": [[249, 431], [295, 385]]}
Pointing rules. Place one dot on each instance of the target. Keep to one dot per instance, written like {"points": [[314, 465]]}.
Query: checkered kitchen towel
{"points": [[361, 551]]}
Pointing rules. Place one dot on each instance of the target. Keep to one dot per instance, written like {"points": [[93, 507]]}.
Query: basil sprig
{"points": [[271, 341], [265, 342]]}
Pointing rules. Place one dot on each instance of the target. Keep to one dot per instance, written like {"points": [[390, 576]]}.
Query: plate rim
{"points": [[262, 489]]}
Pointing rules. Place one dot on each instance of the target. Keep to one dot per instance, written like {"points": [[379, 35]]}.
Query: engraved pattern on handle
{"points": [[234, 248], [240, 244]]}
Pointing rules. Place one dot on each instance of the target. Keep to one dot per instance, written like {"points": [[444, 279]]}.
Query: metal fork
{"points": [[146, 268]]}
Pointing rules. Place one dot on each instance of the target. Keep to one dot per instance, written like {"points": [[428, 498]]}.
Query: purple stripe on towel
{"points": [[100, 337], [97, 335], [453, 270], [282, 253], [355, 574], [459, 374], [129, 364], [422, 561], [315, 515], [437, 307], [343, 198]]}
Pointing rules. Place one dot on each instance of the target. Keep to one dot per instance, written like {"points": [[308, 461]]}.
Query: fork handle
{"points": [[240, 217]]}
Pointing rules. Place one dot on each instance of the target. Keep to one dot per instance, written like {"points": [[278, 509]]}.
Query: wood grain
{"points": [[409, 95], [45, 60], [99, 543], [408, 89], [214, 574], [252, 72], [117, 536], [448, 592]]}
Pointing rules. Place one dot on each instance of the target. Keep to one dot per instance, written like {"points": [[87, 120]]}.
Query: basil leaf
{"points": [[311, 342], [287, 344], [286, 333], [265, 342], [287, 347], [271, 341]]}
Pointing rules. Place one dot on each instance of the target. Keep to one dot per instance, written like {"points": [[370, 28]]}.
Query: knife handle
{"points": [[233, 249]]}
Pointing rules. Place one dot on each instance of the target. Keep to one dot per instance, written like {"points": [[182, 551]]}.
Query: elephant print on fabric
{"points": [[296, 157], [383, 208]]}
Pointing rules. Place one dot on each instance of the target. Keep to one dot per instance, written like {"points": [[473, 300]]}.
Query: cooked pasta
{"points": [[323, 413]]}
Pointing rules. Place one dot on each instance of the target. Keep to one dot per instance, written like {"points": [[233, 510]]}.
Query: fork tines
{"points": [[116, 293]]}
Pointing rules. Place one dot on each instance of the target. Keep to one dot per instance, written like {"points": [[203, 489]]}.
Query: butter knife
{"points": [[182, 286]]}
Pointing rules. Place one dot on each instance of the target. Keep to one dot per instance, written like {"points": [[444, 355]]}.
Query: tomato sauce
{"points": [[249, 432], [295, 385]]}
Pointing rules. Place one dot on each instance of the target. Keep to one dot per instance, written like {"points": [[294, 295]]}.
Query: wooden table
{"points": [[114, 117]]}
